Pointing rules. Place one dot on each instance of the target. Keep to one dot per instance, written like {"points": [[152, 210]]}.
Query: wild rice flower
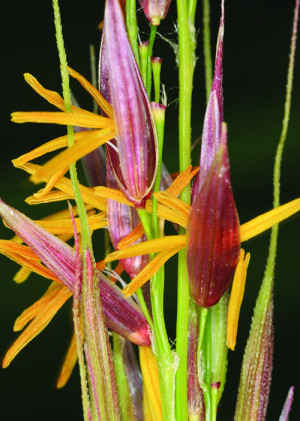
{"points": [[155, 10], [122, 316], [213, 240], [134, 155]]}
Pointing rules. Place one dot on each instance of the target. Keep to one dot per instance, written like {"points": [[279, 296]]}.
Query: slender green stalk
{"points": [[192, 10], [159, 118], [93, 75], [186, 70], [202, 327], [79, 202], [149, 66], [207, 47], [269, 272], [162, 349], [85, 231], [156, 69], [132, 28], [143, 51]]}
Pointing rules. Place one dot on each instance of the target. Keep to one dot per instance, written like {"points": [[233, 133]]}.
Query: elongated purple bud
{"points": [[213, 240], [214, 116], [284, 416], [134, 159], [122, 314], [122, 219], [155, 10]]}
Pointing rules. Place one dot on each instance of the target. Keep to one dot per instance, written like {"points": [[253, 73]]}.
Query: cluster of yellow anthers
{"points": [[58, 187]]}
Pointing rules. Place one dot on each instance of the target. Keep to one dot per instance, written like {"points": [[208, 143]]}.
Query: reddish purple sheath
{"points": [[213, 240], [134, 157]]}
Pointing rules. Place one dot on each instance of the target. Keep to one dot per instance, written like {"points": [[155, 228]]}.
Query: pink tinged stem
{"points": [[287, 405], [214, 116], [122, 315], [257, 370], [134, 163], [105, 402], [213, 240]]}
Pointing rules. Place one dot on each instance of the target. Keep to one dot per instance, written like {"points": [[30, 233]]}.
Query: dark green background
{"points": [[256, 51]]}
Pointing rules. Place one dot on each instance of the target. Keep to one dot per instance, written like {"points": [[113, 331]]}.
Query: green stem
{"points": [[86, 239], [202, 326], [149, 66], [269, 272], [207, 47], [162, 347], [132, 28], [126, 407], [159, 118], [186, 69]]}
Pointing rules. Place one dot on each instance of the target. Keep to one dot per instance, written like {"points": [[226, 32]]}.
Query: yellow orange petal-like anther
{"points": [[68, 364], [181, 181], [45, 315], [103, 104], [84, 146], [132, 237], [151, 382], [236, 298], [149, 270], [267, 220]]}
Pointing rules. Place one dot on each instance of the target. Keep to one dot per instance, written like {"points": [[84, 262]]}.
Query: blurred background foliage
{"points": [[257, 38]]}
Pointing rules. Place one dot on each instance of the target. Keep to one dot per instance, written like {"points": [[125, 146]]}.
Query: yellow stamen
{"points": [[113, 194], [66, 226], [131, 238], [51, 96], [81, 148], [51, 146], [53, 196], [182, 181], [267, 220], [151, 381], [173, 203], [147, 247], [103, 104], [25, 257], [81, 119], [22, 275], [149, 270], [31, 312], [236, 298], [68, 364], [146, 407], [65, 185], [43, 318]]}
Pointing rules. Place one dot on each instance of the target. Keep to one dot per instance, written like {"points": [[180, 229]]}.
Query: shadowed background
{"points": [[257, 38]]}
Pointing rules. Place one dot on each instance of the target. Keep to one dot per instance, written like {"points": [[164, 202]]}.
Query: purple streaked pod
{"points": [[257, 365], [122, 315], [214, 116], [122, 220], [134, 156], [284, 416], [155, 10], [213, 238]]}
